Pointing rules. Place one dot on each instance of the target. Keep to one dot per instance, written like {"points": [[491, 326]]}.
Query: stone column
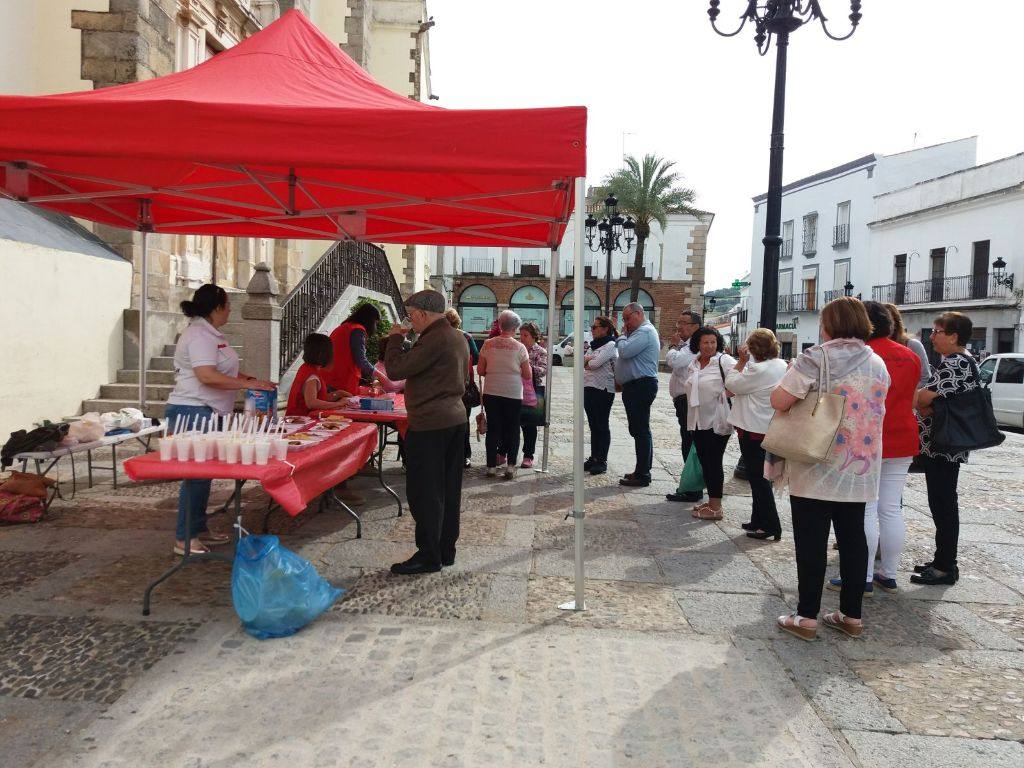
{"points": [[262, 333]]}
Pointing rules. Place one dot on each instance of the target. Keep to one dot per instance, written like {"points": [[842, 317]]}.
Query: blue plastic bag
{"points": [[276, 593]]}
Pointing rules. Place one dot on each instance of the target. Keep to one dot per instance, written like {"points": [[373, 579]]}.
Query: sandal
{"points": [[211, 539], [179, 549], [791, 623], [698, 508], [707, 513], [837, 621]]}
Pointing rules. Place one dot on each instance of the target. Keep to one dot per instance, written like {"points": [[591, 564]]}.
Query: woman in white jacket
{"points": [[599, 392], [757, 373]]}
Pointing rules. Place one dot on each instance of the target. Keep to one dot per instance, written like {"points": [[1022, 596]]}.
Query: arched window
{"points": [[478, 307], [531, 304], [591, 309], [644, 298]]}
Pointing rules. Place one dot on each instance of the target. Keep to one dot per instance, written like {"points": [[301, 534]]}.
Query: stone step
{"points": [[162, 363], [153, 409], [131, 391], [131, 376]]}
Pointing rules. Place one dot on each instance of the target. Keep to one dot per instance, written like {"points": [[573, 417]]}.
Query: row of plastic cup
{"points": [[228, 449]]}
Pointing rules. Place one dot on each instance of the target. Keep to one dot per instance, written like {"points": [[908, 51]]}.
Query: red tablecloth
{"points": [[316, 469], [399, 418]]}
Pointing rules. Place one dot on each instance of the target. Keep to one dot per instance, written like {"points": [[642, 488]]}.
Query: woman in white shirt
{"points": [[599, 392], [504, 363], [206, 378], [757, 373], [704, 385]]}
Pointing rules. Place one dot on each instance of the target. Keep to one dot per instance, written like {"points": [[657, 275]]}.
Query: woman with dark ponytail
{"points": [[206, 378]]}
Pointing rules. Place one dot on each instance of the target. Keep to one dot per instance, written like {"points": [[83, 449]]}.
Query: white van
{"points": [[562, 352], [1005, 376]]}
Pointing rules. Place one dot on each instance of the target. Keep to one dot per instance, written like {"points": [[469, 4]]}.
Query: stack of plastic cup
{"points": [[231, 455], [262, 451], [166, 448], [199, 446], [222, 446], [182, 446], [279, 448], [247, 451]]}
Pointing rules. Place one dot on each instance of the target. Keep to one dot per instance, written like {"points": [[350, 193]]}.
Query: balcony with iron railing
{"points": [[476, 266], [810, 246], [833, 294], [798, 302], [841, 236], [530, 267], [589, 268], [995, 287], [626, 271], [345, 263], [787, 249]]}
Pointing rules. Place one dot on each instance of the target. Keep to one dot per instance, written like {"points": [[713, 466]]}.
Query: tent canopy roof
{"points": [[285, 136]]}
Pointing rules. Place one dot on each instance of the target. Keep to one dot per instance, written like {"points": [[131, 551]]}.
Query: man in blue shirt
{"points": [[636, 371]]}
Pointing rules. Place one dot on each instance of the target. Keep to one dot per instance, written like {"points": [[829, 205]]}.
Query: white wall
{"points": [[61, 322], [42, 52]]}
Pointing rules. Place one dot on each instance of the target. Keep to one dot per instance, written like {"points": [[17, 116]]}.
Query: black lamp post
{"points": [[1000, 275], [708, 303], [848, 289], [779, 18], [612, 232]]}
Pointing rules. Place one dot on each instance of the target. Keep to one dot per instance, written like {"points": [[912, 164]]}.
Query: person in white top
{"points": [[704, 385], [206, 378], [757, 373], [504, 363], [599, 391], [678, 359]]}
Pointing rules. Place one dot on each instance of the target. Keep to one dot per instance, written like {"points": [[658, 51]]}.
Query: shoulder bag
{"points": [[720, 424], [806, 431], [964, 421]]}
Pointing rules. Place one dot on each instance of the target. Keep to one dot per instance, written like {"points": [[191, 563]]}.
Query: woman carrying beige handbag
{"points": [[834, 490]]}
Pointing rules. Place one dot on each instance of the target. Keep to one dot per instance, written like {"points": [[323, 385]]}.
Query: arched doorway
{"points": [[591, 309], [531, 304], [643, 298], [478, 307]]}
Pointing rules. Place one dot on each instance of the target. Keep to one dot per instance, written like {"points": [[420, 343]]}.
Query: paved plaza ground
{"points": [[676, 662]]}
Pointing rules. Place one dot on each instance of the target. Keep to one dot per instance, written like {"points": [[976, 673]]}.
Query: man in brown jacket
{"points": [[435, 370]]}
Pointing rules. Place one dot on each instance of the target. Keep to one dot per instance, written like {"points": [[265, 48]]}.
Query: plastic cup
{"points": [[182, 446], [247, 452], [279, 448], [231, 452], [262, 451], [199, 448], [222, 448], [167, 449]]}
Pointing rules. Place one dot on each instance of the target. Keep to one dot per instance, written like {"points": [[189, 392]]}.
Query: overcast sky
{"points": [[654, 76]]}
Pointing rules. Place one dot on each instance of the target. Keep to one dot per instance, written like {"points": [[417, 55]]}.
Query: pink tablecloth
{"points": [[316, 469], [398, 418]]}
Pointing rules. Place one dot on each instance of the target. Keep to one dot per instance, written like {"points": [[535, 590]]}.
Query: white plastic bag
{"points": [[720, 423], [126, 418]]}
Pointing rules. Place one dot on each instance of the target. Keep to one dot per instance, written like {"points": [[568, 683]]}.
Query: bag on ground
{"points": [[275, 591], [692, 478]]}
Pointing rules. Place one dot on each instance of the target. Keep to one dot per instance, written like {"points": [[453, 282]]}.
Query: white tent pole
{"points": [[144, 227], [552, 298], [578, 324]]}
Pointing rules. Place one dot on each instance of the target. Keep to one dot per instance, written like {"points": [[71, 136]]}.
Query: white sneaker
{"points": [[510, 472], [492, 471]]}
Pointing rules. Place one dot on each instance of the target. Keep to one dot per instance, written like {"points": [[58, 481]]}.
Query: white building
{"points": [[955, 242], [825, 233]]}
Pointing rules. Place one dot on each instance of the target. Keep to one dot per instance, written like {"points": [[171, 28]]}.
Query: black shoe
{"points": [[932, 577], [635, 481], [415, 565], [468, 464], [589, 463], [447, 560], [922, 568], [748, 526], [685, 496], [762, 535], [598, 468]]}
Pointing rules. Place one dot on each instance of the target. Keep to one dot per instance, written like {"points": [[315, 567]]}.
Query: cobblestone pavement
{"points": [[675, 662]]}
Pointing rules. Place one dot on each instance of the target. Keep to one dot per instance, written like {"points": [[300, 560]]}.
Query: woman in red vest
{"points": [[349, 342]]}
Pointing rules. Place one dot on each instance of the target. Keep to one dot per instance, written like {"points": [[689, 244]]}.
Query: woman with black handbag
{"points": [[955, 378]]}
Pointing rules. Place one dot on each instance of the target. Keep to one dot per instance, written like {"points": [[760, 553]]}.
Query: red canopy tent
{"points": [[284, 136]]}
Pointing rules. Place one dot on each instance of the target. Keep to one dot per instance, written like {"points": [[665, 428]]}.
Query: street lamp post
{"points": [[611, 232], [779, 18]]}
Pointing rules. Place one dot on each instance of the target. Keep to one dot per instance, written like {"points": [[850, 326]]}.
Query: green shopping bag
{"points": [[692, 478]]}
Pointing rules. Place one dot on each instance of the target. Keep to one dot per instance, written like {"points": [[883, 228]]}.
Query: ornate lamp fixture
{"points": [[613, 233]]}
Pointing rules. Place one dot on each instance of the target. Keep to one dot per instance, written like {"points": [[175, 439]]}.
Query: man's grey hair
{"points": [[509, 321], [634, 306]]}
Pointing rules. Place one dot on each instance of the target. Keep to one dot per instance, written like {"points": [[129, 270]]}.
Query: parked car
{"points": [[563, 351], [1005, 376]]}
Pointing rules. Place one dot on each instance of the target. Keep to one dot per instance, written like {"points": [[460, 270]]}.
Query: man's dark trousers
{"points": [[435, 460], [638, 397], [679, 401]]}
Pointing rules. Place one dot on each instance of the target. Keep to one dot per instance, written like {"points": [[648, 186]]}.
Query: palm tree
{"points": [[647, 190]]}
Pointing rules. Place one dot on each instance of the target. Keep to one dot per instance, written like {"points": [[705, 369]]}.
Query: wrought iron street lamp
{"points": [[1000, 275], [613, 233], [707, 303], [778, 18], [848, 289]]}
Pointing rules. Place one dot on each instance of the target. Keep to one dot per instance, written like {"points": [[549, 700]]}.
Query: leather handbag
{"points": [[806, 431], [964, 421]]}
